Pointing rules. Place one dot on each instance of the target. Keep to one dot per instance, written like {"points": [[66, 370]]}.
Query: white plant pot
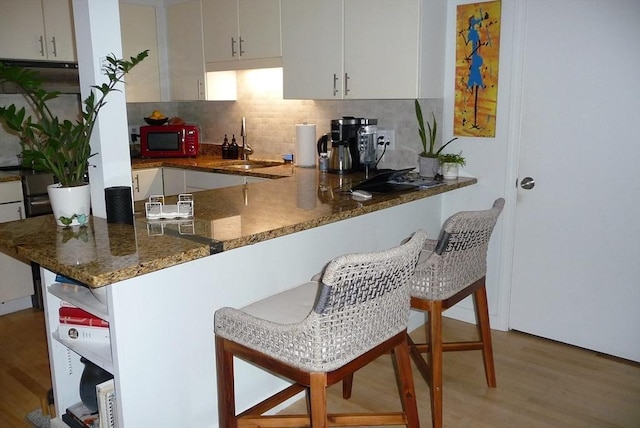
{"points": [[428, 167], [450, 171], [72, 203]]}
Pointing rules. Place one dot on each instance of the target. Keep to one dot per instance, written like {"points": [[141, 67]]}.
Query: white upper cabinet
{"points": [[185, 50], [239, 31], [139, 32], [37, 30], [352, 49], [312, 49]]}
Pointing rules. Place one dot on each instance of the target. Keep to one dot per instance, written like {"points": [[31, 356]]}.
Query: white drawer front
{"points": [[10, 191]]}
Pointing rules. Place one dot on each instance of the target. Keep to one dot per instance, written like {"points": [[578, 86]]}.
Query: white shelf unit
{"points": [[64, 354]]}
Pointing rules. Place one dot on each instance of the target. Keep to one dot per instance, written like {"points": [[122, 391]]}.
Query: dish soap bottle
{"points": [[233, 149], [225, 148]]}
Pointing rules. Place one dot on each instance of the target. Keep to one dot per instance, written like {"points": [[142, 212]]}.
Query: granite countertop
{"points": [[9, 176], [225, 219]]}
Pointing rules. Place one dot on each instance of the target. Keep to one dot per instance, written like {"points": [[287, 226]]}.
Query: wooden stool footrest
{"points": [[341, 420]]}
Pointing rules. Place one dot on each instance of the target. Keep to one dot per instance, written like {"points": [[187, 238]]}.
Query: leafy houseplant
{"points": [[451, 163], [433, 130], [59, 147], [428, 163], [454, 158]]}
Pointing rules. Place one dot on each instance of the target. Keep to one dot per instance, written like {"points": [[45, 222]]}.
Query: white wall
{"points": [[492, 161]]}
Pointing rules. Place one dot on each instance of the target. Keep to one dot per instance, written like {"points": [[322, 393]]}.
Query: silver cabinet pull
{"points": [[55, 48], [20, 213], [527, 183], [241, 50], [233, 47], [41, 46], [335, 84], [137, 183], [346, 84]]}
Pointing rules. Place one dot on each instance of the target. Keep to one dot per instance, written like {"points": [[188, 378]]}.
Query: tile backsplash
{"points": [[271, 120]]}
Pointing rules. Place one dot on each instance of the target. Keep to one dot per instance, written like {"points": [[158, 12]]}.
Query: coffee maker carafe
{"points": [[358, 134]]}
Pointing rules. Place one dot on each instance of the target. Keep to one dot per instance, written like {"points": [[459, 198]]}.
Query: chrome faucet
{"points": [[246, 148]]}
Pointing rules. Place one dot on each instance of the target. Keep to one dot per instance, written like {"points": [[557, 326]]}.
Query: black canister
{"points": [[225, 148], [119, 205], [233, 149]]}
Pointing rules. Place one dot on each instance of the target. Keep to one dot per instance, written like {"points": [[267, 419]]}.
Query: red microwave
{"points": [[169, 141]]}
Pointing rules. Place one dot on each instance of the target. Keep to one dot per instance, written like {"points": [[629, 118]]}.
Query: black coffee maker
{"points": [[348, 131]]}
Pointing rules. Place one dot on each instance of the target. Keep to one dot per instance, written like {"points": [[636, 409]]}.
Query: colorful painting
{"points": [[477, 54]]}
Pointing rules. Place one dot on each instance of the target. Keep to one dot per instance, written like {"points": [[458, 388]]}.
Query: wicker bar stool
{"points": [[450, 269], [320, 332]]}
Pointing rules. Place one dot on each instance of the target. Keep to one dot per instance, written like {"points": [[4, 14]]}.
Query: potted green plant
{"points": [[428, 163], [61, 148], [451, 163]]}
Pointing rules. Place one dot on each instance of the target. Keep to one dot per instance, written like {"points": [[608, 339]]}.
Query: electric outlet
{"points": [[388, 137]]}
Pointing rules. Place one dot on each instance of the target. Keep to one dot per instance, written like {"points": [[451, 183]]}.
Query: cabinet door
{"points": [[59, 30], [196, 180], [259, 29], [139, 32], [33, 29], [173, 181], [381, 43], [186, 56], [312, 49], [220, 29], [16, 280], [22, 30], [146, 182], [241, 30]]}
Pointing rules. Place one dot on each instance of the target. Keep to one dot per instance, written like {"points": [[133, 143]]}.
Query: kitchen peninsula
{"points": [[161, 283]]}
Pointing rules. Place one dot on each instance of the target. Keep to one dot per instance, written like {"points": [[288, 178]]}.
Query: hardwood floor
{"points": [[541, 383], [24, 366]]}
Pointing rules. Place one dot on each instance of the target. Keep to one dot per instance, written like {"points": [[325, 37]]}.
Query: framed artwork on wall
{"points": [[477, 65]]}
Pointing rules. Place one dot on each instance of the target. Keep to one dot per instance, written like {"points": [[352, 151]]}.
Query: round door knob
{"points": [[527, 183]]}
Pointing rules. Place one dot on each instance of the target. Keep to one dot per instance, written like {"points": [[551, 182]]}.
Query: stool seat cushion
{"points": [[288, 307]]}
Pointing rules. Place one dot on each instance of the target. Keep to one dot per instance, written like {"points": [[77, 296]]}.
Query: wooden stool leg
{"points": [[484, 327], [405, 384], [347, 386], [318, 392], [435, 362], [226, 390]]}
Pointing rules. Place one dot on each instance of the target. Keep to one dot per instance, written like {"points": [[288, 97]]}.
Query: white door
{"points": [[576, 273]]}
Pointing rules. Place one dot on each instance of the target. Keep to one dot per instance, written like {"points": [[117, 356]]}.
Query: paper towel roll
{"points": [[306, 151]]}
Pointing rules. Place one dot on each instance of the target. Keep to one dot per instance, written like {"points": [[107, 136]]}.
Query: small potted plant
{"points": [[61, 148], [428, 163], [450, 163]]}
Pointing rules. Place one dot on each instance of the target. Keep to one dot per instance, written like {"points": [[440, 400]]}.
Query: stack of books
{"points": [[79, 416], [78, 324]]}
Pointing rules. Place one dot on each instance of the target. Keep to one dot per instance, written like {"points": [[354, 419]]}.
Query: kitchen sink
{"points": [[251, 165]]}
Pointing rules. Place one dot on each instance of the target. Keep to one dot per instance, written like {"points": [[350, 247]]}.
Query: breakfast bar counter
{"points": [[295, 199], [158, 284]]}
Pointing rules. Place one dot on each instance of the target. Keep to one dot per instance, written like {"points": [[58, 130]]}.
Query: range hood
{"points": [[56, 76]]}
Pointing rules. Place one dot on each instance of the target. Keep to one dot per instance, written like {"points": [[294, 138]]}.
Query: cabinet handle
{"points": [[233, 47], [55, 49], [346, 84], [241, 50], [20, 213], [41, 46], [335, 84], [137, 183]]}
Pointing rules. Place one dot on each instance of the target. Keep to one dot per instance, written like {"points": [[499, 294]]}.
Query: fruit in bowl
{"points": [[156, 118]]}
